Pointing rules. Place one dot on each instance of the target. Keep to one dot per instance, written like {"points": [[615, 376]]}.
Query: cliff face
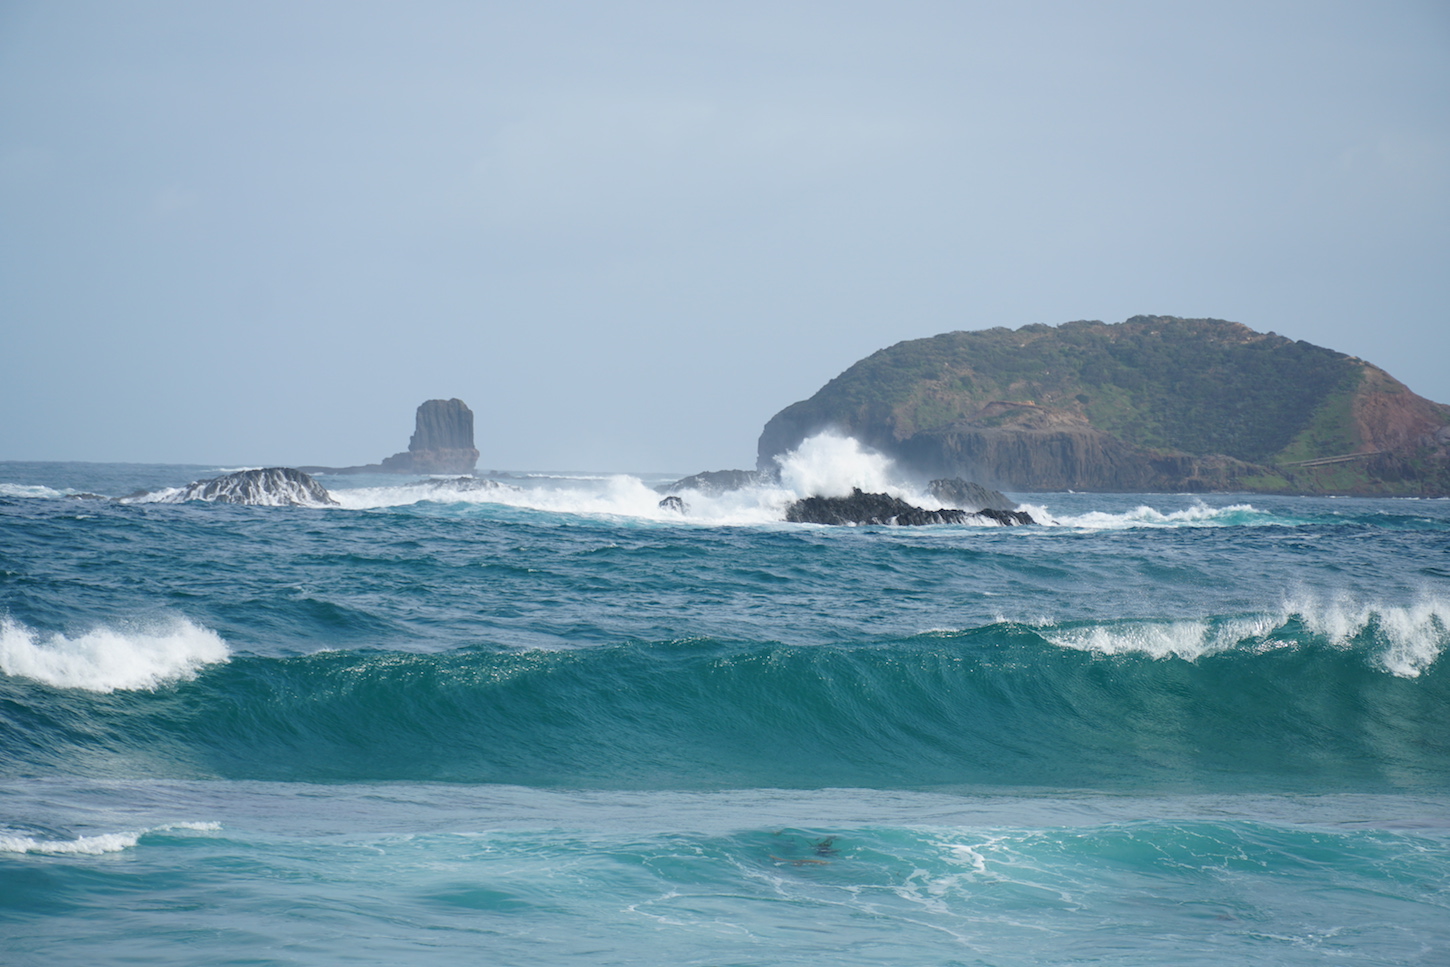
{"points": [[1154, 403]]}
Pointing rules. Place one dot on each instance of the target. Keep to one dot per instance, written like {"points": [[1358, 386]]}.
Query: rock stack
{"points": [[442, 441]]}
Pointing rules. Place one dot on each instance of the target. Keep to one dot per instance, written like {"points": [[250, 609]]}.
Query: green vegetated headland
{"points": [[1154, 403]]}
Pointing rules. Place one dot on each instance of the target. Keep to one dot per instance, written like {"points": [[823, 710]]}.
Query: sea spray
{"points": [[106, 659], [95, 844], [831, 465]]}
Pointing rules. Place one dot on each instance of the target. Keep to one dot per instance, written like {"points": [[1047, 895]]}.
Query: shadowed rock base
{"points": [[864, 508]]}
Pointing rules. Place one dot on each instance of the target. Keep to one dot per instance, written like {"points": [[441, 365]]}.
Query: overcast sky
{"points": [[626, 234]]}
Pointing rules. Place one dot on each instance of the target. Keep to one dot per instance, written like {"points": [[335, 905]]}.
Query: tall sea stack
{"points": [[442, 441]]}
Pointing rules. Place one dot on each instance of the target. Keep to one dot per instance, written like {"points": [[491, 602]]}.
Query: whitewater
{"points": [[539, 718]]}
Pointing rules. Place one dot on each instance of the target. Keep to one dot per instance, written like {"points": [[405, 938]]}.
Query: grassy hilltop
{"points": [[1153, 403]]}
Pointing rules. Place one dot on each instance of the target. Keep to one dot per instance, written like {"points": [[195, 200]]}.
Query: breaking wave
{"points": [[106, 659], [1304, 703], [27, 490], [94, 845], [1402, 640], [1199, 515]]}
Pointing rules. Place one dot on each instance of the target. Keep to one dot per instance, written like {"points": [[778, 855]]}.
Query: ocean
{"points": [[546, 721]]}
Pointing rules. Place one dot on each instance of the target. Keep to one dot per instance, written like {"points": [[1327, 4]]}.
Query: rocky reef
{"points": [[271, 487], [864, 508]]}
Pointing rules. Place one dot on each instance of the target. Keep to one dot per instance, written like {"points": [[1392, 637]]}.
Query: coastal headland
{"points": [[1153, 404]]}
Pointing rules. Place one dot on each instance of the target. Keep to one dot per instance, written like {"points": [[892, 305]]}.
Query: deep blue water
{"points": [[551, 722]]}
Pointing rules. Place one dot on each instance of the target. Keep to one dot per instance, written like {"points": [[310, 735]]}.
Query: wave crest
{"points": [[1404, 640], [107, 660], [91, 845]]}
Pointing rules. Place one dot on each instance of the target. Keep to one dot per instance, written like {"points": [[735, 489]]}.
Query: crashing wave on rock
{"points": [[269, 487]]}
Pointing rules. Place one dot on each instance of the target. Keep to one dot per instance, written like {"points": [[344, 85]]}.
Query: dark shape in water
{"points": [[864, 508], [673, 503]]}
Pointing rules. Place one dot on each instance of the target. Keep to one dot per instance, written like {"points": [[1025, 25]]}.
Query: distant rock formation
{"points": [[864, 508], [442, 442], [272, 487]]}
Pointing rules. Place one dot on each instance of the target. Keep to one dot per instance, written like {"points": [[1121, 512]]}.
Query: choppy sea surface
{"points": [[550, 722]]}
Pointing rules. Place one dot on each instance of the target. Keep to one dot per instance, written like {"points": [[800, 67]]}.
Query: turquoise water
{"points": [[552, 723]]}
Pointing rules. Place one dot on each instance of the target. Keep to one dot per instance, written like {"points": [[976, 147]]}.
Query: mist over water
{"points": [[538, 716]]}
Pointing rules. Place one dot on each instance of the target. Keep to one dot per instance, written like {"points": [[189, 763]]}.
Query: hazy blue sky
{"points": [[628, 233]]}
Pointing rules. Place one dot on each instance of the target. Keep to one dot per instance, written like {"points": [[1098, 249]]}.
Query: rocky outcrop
{"points": [[714, 482], [672, 503], [864, 508], [442, 441], [272, 487], [956, 492]]}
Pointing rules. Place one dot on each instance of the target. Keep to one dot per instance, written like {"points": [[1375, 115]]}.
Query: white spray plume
{"points": [[104, 659], [830, 465]]}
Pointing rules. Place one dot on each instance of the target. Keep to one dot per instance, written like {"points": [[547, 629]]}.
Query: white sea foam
{"points": [[1403, 640], [91, 845], [27, 490], [1407, 639], [107, 659], [1189, 640], [830, 465], [1199, 515]]}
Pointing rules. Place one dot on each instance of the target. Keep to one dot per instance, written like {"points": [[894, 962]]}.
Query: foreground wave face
{"points": [[1352, 701]]}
